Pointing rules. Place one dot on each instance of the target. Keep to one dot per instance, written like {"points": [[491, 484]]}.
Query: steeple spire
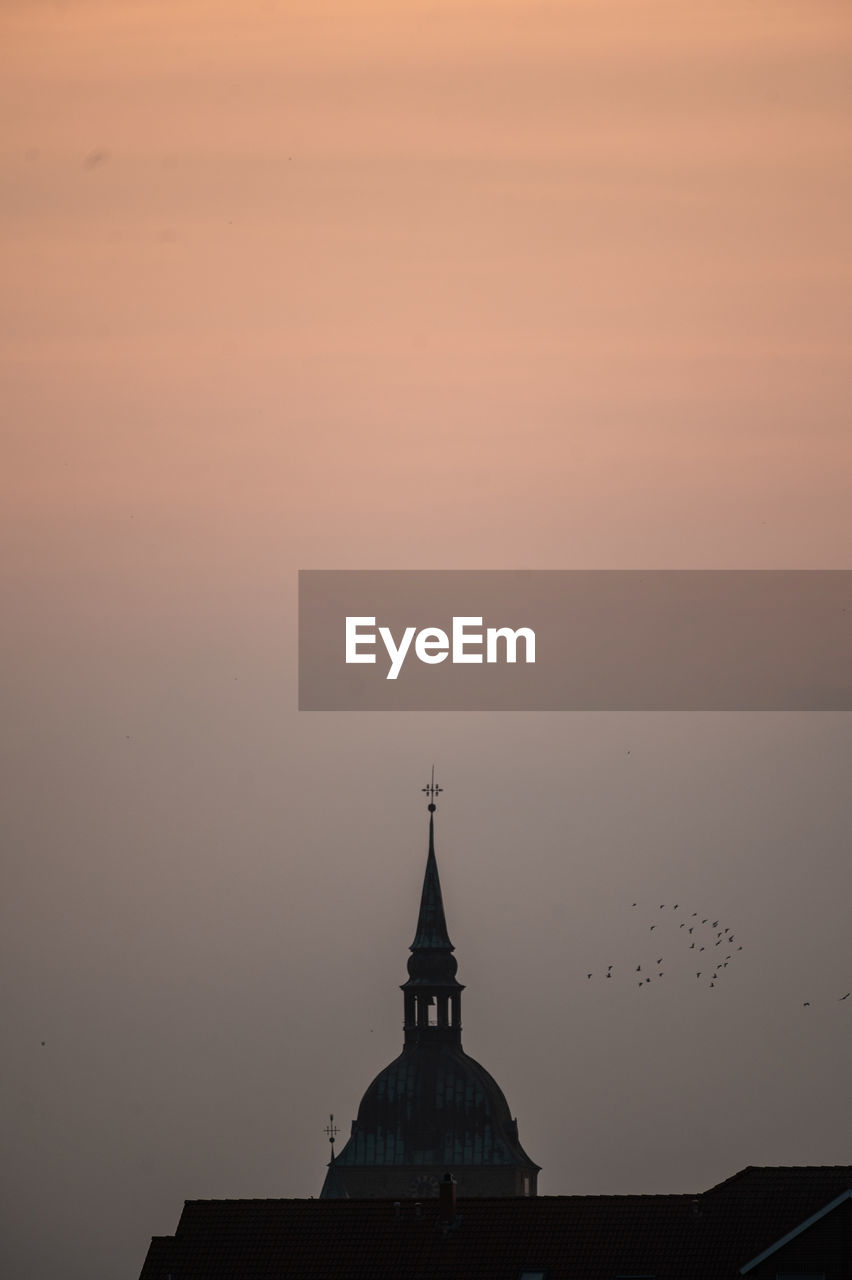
{"points": [[432, 994], [431, 932], [433, 1108], [333, 1187]]}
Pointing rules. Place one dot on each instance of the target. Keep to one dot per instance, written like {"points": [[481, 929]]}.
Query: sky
{"points": [[461, 284]]}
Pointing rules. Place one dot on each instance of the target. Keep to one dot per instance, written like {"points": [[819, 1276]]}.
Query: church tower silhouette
{"points": [[433, 1110]]}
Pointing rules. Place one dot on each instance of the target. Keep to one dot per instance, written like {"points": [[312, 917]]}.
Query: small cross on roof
{"points": [[432, 791]]}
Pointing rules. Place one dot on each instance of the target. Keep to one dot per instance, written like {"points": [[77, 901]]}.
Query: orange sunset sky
{"points": [[461, 284]]}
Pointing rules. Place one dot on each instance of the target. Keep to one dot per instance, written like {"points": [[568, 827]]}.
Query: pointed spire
{"points": [[331, 1131], [333, 1188], [432, 992], [431, 923]]}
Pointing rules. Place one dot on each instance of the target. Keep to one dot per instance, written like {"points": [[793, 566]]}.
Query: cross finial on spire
{"points": [[332, 1130], [431, 791]]}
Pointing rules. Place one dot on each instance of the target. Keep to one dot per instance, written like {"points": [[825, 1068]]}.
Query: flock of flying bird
{"points": [[702, 936]]}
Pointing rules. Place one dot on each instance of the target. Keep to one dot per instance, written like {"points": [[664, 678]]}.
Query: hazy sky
{"points": [[442, 285]]}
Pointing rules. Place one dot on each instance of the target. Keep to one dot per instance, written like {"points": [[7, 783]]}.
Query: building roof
{"points": [[302, 1239], [669, 1237], [799, 1230], [760, 1205], [434, 1105], [333, 1188]]}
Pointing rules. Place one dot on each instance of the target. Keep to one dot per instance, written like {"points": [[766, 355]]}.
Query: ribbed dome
{"points": [[434, 1105]]}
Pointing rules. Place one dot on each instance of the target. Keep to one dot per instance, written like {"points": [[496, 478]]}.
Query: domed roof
{"points": [[434, 1105]]}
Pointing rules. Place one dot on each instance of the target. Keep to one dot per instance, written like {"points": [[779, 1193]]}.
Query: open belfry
{"points": [[434, 1110]]}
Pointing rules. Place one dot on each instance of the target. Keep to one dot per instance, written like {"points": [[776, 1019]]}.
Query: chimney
{"points": [[447, 1198]]}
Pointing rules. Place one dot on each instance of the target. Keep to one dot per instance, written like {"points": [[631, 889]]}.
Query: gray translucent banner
{"points": [[602, 640]]}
